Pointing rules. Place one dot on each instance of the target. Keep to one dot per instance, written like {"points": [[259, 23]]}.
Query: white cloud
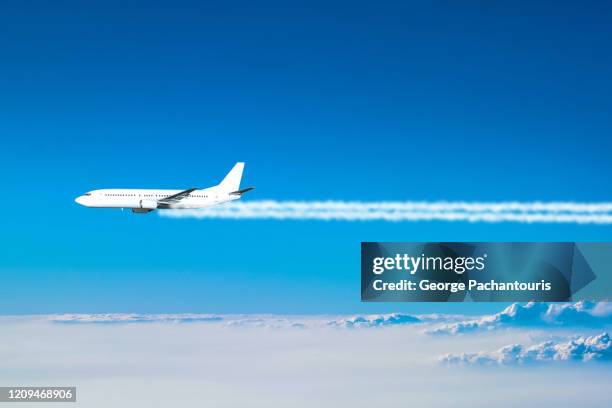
{"points": [[524, 212], [587, 314], [162, 363], [269, 322], [132, 318], [379, 320], [266, 321], [580, 314], [583, 349]]}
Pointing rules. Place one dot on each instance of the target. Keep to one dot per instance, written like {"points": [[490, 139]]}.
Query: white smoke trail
{"points": [[396, 211]]}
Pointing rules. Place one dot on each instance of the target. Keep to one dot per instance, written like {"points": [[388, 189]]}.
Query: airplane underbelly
{"points": [[123, 203], [195, 204]]}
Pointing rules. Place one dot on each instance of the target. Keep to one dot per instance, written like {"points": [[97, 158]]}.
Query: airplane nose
{"points": [[80, 200]]}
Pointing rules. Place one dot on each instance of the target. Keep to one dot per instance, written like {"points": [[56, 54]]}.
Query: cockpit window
{"points": [[87, 194]]}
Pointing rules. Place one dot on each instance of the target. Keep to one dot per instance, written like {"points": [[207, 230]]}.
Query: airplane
{"points": [[144, 201]]}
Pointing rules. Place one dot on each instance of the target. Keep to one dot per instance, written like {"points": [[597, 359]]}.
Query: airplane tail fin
{"points": [[231, 182]]}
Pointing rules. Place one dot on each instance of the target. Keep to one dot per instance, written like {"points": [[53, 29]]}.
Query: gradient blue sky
{"points": [[418, 100]]}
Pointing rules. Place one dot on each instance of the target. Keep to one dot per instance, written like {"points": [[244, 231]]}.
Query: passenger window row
{"points": [[148, 195]]}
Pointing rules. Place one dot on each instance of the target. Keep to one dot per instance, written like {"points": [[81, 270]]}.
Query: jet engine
{"points": [[148, 204]]}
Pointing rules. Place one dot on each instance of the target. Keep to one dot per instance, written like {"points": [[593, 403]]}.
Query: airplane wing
{"points": [[176, 197]]}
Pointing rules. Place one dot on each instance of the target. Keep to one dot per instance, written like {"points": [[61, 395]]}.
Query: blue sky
{"points": [[350, 100]]}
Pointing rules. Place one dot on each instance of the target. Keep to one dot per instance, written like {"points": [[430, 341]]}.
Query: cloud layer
{"points": [[271, 321], [533, 314], [392, 319], [211, 364], [581, 349], [110, 318], [584, 314], [396, 211]]}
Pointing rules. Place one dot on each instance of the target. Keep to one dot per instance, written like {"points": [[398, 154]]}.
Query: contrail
{"points": [[398, 211]]}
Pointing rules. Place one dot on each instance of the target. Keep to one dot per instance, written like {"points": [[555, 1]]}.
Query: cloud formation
{"points": [[581, 349], [211, 364], [585, 314], [392, 319], [262, 321], [110, 318], [396, 211], [533, 314], [269, 322]]}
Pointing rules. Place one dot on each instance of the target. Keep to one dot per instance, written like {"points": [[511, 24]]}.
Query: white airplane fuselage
{"points": [[146, 200]]}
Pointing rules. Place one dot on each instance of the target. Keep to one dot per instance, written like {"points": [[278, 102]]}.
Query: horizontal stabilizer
{"points": [[241, 192]]}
